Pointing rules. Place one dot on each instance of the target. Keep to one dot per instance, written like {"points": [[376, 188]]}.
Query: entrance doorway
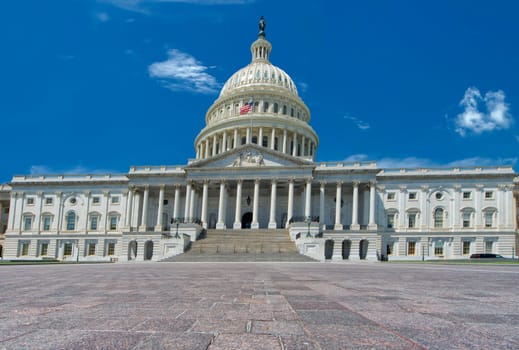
{"points": [[246, 220], [363, 249], [148, 250], [346, 247], [132, 250], [328, 249]]}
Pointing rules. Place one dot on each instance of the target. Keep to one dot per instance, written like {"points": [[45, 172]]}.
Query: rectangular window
{"points": [[111, 248], [265, 141], [91, 248], [27, 223], [466, 219], [6, 210], [46, 223], [411, 248], [93, 222], [466, 247], [48, 200], [391, 196], [412, 195], [67, 249], [30, 200], [489, 195], [115, 200], [489, 218], [44, 248], [466, 195], [243, 140], [276, 141], [412, 220], [24, 249], [438, 249], [390, 220], [489, 245], [96, 200], [113, 222]]}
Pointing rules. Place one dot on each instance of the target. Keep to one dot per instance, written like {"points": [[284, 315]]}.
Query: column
{"points": [[38, 217], [87, 195], [137, 208], [12, 209], [290, 209], [308, 199], [220, 225], [206, 148], [255, 205], [355, 210], [322, 221], [176, 204], [203, 218], [272, 139], [272, 220], [215, 139], [144, 220], [235, 138], [372, 188], [478, 206], [160, 224], [198, 152], [248, 136], [237, 213], [192, 203], [338, 200], [284, 141], [260, 137], [294, 141], [106, 194], [224, 142], [303, 148], [129, 207], [187, 201]]}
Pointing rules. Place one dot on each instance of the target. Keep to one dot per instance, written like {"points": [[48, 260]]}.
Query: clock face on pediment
{"points": [[250, 157]]}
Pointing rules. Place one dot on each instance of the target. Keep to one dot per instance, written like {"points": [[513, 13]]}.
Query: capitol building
{"points": [[255, 171]]}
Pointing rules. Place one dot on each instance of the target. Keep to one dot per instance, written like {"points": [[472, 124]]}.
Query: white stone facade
{"points": [[256, 169]]}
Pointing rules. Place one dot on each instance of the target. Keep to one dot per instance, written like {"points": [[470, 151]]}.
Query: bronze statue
{"points": [[262, 26]]}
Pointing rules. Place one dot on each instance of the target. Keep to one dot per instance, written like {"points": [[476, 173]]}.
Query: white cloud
{"points": [[417, 162], [102, 17], [304, 86], [183, 72], [140, 5], [362, 125], [495, 117], [356, 158], [78, 169]]}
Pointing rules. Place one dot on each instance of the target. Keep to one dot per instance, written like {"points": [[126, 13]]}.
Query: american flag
{"points": [[246, 108]]}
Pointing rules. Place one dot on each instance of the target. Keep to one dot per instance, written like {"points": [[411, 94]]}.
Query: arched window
{"points": [[276, 108], [285, 110], [265, 107], [71, 221], [438, 217]]}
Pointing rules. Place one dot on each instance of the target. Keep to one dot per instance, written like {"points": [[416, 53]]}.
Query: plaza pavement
{"points": [[259, 306]]}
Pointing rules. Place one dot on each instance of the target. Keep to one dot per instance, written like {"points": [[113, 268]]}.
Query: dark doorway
{"points": [[132, 250], [328, 249], [363, 249], [246, 220], [148, 250], [346, 248]]}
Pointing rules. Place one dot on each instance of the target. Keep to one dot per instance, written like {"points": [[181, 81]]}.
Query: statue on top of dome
{"points": [[262, 26]]}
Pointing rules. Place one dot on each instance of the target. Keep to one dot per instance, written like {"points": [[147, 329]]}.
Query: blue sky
{"points": [[100, 85]]}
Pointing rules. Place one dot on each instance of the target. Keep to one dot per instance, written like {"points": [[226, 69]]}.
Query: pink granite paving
{"points": [[259, 306]]}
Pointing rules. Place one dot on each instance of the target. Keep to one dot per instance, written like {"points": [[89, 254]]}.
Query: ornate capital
{"points": [[424, 188], [356, 183]]}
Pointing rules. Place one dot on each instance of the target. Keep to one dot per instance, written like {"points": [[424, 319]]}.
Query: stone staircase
{"points": [[242, 245]]}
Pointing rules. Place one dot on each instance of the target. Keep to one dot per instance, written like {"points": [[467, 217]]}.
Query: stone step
{"points": [[241, 257]]}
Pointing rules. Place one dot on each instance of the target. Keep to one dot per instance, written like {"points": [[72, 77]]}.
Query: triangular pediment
{"points": [[250, 156]]}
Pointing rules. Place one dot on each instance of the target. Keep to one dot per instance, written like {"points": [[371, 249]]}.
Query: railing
{"points": [[304, 219], [186, 220]]}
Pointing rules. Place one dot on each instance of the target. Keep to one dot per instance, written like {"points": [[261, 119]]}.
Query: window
{"points": [[243, 140], [115, 200], [48, 200], [489, 194], [113, 222], [71, 221], [438, 217], [467, 195], [73, 200], [254, 139], [411, 248], [46, 222], [265, 141], [91, 248], [27, 222], [412, 196], [291, 112], [439, 196], [265, 107], [67, 249], [276, 108], [30, 200], [466, 219], [466, 247], [391, 196], [438, 248], [111, 248], [489, 245], [489, 216], [24, 249], [165, 202], [391, 220], [96, 200], [44, 248], [276, 141], [412, 220], [285, 110], [94, 220]]}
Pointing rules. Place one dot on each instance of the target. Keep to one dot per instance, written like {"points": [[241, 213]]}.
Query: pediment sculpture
{"points": [[249, 159]]}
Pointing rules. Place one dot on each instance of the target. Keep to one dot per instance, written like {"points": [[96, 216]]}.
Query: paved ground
{"points": [[259, 306]]}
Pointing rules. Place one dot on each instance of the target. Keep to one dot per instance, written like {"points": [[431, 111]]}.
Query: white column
{"points": [[12, 209], [215, 139], [203, 218], [192, 203], [290, 209], [129, 207], [272, 138], [206, 148], [255, 223], [224, 141], [303, 148], [338, 199], [144, 220], [308, 199], [322, 221], [284, 141], [248, 136], [235, 138], [220, 225], [40, 206], [237, 214], [372, 224], [272, 220], [137, 208], [294, 142], [106, 195], [355, 210], [176, 204], [187, 201], [260, 137], [87, 195], [197, 151], [478, 206], [160, 224]]}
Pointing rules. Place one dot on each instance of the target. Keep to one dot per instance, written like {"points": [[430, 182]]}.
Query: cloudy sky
{"points": [[94, 86]]}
